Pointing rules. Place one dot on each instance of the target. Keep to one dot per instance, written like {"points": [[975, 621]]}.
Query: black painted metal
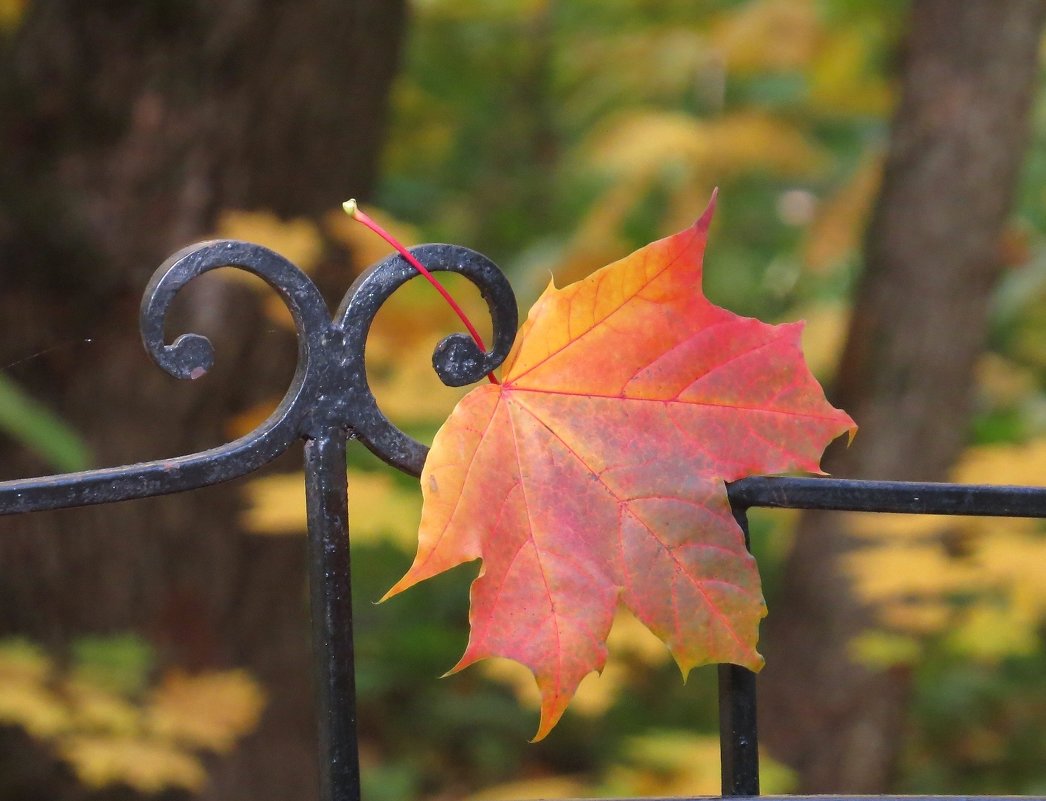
{"points": [[888, 496], [738, 733], [330, 592], [330, 402], [329, 385]]}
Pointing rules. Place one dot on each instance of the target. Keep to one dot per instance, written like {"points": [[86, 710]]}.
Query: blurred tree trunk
{"points": [[932, 259], [125, 127]]}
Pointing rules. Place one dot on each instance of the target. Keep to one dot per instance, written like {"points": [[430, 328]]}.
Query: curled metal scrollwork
{"points": [[457, 359], [329, 388]]}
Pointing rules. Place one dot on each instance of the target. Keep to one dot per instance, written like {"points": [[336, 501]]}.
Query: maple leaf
{"points": [[594, 474]]}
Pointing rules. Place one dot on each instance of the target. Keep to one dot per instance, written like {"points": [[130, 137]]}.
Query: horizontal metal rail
{"points": [[900, 497]]}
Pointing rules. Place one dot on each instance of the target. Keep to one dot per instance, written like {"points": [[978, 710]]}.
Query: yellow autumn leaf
{"points": [[767, 35], [1003, 464], [144, 765], [1002, 383], [677, 762], [411, 392], [681, 763], [649, 142], [275, 504], [843, 80], [910, 570], [379, 507], [885, 649], [11, 12], [630, 639], [532, 789], [297, 239], [824, 336], [913, 566], [1016, 562], [95, 710], [638, 64], [382, 509], [92, 719], [916, 615], [595, 695], [989, 632], [839, 222], [682, 156], [250, 418], [22, 661], [399, 348], [209, 710], [33, 707], [879, 529], [26, 700]]}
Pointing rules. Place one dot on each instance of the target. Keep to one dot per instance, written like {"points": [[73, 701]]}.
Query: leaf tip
{"points": [[705, 220], [470, 657], [541, 734], [404, 583], [554, 701], [851, 433], [552, 709]]}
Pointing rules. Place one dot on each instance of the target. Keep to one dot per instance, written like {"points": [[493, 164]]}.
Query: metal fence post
{"points": [[738, 735], [330, 593]]}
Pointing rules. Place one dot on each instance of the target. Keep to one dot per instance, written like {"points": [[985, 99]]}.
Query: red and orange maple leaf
{"points": [[594, 474]]}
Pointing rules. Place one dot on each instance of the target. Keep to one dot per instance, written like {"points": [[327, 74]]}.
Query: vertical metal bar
{"points": [[738, 737], [738, 742], [331, 602]]}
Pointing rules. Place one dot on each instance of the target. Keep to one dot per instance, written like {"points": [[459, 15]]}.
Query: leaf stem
{"points": [[354, 211]]}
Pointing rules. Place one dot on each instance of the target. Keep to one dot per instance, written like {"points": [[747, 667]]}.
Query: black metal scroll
{"points": [[329, 388]]}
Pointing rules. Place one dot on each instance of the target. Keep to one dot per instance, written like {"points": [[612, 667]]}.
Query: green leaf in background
{"points": [[27, 421], [118, 663]]}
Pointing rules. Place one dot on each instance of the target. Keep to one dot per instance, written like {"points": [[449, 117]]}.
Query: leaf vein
{"points": [[537, 552], [668, 264], [464, 483]]}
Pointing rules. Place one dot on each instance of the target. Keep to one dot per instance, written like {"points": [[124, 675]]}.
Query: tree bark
{"points": [[125, 128], [932, 258]]}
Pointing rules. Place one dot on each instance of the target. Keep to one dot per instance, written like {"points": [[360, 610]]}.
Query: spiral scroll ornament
{"points": [[329, 387]]}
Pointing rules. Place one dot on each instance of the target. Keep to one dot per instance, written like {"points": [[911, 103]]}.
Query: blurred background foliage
{"points": [[112, 721], [556, 137]]}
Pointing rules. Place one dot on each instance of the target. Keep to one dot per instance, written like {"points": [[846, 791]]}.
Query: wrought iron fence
{"points": [[329, 403]]}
